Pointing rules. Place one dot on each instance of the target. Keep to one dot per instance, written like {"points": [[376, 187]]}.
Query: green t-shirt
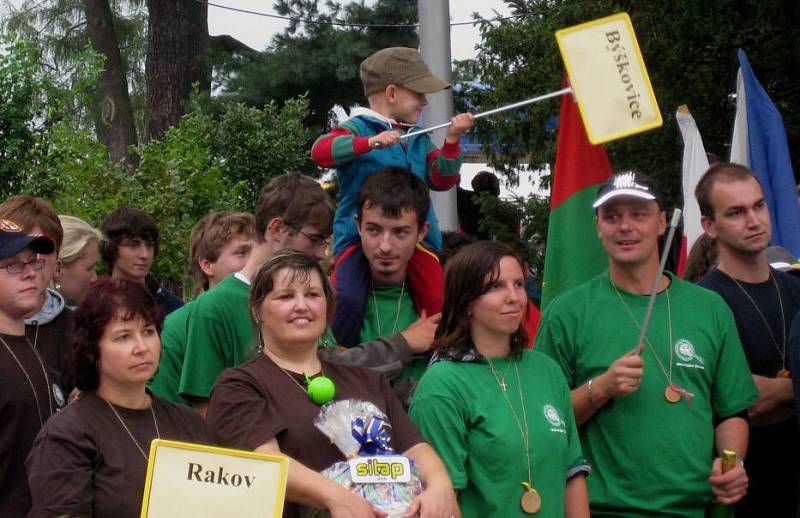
{"points": [[173, 347], [328, 340], [651, 457], [461, 411], [386, 314], [220, 335]]}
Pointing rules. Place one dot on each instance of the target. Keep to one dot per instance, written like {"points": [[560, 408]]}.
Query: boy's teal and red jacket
{"points": [[346, 148]]}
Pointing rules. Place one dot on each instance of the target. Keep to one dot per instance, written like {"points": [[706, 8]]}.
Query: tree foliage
{"points": [[204, 163], [320, 61], [155, 52], [208, 161], [34, 103], [17, 87], [58, 29], [259, 143], [517, 223]]}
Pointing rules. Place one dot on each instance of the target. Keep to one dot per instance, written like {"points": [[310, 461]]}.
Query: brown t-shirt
{"points": [[257, 401], [19, 417], [84, 463]]}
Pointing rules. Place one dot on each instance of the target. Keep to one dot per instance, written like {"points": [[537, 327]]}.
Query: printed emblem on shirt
{"points": [[687, 356], [554, 418], [58, 396]]}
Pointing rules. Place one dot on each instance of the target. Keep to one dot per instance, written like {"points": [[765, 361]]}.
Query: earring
{"points": [[260, 348]]}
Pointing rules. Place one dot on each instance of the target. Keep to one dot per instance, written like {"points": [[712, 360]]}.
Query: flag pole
{"points": [[493, 111], [673, 224]]}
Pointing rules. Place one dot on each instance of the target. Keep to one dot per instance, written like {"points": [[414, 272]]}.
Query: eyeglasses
{"points": [[19, 267], [316, 240]]}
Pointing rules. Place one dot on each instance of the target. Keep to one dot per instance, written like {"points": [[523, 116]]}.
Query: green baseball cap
{"points": [[399, 66]]}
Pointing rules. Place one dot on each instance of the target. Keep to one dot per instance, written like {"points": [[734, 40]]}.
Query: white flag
{"points": [[695, 163], [739, 146]]}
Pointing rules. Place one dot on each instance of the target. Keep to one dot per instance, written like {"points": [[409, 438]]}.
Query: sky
{"points": [[256, 31]]}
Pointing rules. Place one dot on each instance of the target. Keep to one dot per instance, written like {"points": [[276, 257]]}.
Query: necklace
{"points": [[133, 439], [30, 381], [501, 380], [784, 372], [672, 393], [531, 500], [321, 389], [397, 313]]}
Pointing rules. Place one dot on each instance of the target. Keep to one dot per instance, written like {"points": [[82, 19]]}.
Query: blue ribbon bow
{"points": [[374, 437]]}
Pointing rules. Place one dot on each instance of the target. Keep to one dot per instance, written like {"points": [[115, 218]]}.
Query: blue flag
{"points": [[768, 153]]}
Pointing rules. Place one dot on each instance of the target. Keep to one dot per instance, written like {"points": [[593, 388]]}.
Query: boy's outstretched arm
{"points": [[444, 163]]}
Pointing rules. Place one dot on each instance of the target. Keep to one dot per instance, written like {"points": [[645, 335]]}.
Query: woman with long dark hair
{"points": [[498, 415], [90, 459]]}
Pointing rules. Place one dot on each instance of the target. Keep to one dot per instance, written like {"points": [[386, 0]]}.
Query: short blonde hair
{"points": [[77, 234]]}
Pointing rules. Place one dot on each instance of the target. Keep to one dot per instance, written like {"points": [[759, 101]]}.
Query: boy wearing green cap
{"points": [[395, 82]]}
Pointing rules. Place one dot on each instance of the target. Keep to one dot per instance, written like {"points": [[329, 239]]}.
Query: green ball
{"points": [[321, 390]]}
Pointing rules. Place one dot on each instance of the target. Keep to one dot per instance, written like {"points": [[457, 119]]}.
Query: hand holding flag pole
{"points": [[493, 111], [673, 224]]}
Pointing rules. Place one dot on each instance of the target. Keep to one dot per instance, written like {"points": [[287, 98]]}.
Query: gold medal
{"points": [[784, 373], [531, 501], [672, 395]]}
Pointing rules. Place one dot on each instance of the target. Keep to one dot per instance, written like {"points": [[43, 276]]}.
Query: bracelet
{"points": [[589, 393]]}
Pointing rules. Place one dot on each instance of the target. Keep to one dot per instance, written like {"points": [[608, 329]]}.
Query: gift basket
{"points": [[373, 470]]}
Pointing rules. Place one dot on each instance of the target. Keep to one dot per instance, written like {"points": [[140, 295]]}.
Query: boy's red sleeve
{"points": [[338, 147], [443, 165]]}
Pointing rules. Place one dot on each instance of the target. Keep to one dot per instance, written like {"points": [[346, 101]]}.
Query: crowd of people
{"points": [[504, 412]]}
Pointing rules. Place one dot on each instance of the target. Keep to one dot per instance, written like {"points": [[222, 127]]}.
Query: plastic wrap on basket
{"points": [[360, 430]]}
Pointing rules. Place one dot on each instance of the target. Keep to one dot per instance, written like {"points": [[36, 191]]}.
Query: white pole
{"points": [[434, 43], [676, 218], [494, 110]]}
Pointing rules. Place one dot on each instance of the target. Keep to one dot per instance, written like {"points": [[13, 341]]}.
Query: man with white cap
{"points": [[650, 422], [764, 300], [30, 389]]}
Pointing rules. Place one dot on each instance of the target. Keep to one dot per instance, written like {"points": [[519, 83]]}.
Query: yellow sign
{"points": [[191, 480], [608, 78]]}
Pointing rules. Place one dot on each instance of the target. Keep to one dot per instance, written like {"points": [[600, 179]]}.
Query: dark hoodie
{"points": [[166, 300], [49, 331]]}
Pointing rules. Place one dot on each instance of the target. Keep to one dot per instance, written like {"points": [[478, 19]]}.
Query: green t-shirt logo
{"points": [[685, 351], [553, 417]]}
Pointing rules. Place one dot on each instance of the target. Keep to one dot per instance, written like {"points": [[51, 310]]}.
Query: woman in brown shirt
{"points": [[263, 405], [90, 459]]}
